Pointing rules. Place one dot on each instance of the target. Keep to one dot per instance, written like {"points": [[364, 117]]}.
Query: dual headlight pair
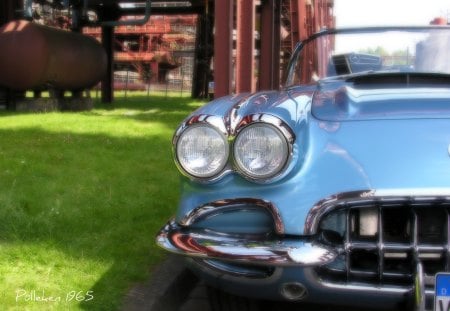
{"points": [[260, 150]]}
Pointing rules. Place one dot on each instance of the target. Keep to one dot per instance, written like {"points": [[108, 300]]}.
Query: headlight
{"points": [[261, 151], [202, 151]]}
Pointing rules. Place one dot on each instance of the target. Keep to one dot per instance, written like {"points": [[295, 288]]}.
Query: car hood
{"points": [[340, 101], [338, 152]]}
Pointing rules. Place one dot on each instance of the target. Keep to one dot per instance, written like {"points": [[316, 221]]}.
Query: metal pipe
{"points": [[134, 22]]}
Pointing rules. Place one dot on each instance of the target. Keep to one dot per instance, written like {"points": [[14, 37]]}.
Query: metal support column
{"points": [[223, 47], [318, 21], [203, 55], [298, 21], [7, 10], [108, 80], [245, 46], [10, 10], [269, 64]]}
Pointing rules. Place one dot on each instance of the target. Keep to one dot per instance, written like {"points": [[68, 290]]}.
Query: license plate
{"points": [[442, 292]]}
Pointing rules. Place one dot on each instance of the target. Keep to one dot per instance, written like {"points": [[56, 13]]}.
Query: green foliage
{"points": [[395, 58], [379, 50], [82, 196]]}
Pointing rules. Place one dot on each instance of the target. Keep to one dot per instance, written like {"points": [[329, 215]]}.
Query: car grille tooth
{"points": [[447, 252], [398, 234], [380, 245], [415, 235], [347, 245]]}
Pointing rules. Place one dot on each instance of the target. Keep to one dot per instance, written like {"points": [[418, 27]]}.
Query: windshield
{"points": [[335, 54]]}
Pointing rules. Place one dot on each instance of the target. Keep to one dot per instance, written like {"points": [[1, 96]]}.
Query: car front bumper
{"points": [[206, 244], [278, 266], [215, 257]]}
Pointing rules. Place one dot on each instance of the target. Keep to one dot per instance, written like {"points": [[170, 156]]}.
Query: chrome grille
{"points": [[381, 240]]}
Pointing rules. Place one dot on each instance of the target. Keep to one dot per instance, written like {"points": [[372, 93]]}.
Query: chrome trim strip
{"points": [[239, 272], [331, 203], [221, 206], [341, 200], [214, 121], [367, 288], [268, 119], [207, 244], [374, 288]]}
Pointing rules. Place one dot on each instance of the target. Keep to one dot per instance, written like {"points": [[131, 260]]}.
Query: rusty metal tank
{"points": [[34, 56]]}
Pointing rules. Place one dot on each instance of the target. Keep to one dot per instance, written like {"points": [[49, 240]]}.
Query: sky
{"points": [[350, 13]]}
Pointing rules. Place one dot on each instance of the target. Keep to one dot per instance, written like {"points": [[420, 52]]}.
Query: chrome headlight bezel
{"points": [[210, 123], [229, 137], [281, 130]]}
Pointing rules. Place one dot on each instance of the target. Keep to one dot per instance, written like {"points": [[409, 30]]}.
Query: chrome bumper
{"points": [[207, 244]]}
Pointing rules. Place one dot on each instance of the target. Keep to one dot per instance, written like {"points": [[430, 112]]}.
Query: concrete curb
{"points": [[168, 288]]}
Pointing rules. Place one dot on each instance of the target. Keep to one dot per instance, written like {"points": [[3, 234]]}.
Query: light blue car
{"points": [[335, 189]]}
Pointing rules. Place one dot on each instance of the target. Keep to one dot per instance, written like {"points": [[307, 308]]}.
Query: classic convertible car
{"points": [[335, 189]]}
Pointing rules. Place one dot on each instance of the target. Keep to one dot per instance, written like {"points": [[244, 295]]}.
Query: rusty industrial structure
{"points": [[150, 51], [238, 45]]}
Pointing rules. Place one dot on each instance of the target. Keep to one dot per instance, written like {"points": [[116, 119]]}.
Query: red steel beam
{"points": [[299, 13], [245, 46], [302, 19], [223, 47], [294, 9], [318, 22], [269, 66]]}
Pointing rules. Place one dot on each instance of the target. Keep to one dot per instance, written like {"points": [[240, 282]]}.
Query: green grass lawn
{"points": [[82, 196]]}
